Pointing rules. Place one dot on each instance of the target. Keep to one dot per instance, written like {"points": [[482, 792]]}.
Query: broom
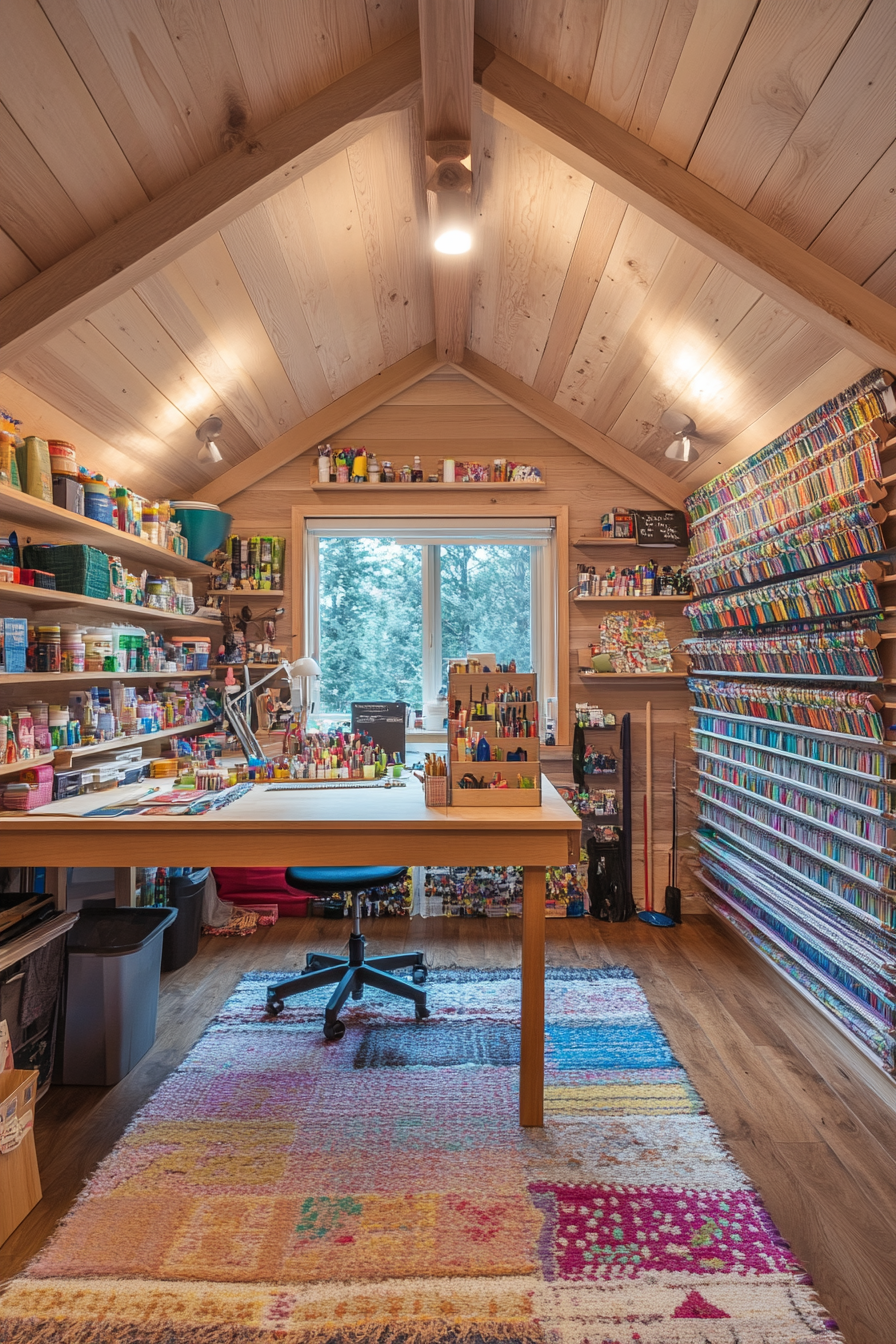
{"points": [[673, 891]]}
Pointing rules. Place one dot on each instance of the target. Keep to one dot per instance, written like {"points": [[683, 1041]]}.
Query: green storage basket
{"points": [[78, 569]]}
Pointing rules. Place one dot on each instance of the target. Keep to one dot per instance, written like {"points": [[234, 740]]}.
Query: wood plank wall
{"points": [[446, 415]]}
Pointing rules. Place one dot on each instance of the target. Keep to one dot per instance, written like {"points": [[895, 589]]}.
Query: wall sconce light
{"points": [[207, 432]]}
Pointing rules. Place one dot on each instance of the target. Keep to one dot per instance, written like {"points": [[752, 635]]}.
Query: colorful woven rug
{"points": [[378, 1190]]}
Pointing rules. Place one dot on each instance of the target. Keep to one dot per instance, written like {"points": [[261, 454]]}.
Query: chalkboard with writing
{"points": [[384, 721], [660, 528]]}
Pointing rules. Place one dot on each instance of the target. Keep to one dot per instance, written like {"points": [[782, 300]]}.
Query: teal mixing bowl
{"points": [[204, 525]]}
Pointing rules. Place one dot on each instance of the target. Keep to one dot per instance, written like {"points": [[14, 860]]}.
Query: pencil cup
{"points": [[435, 790]]}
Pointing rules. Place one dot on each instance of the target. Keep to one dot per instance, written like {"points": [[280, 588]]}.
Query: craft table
{"points": [[351, 826]]}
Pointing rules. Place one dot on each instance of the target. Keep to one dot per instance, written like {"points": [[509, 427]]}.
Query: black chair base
{"points": [[350, 979]]}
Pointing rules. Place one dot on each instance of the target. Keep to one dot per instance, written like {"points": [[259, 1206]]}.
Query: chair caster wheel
{"points": [[420, 975], [420, 1012], [275, 1007], [334, 1031]]}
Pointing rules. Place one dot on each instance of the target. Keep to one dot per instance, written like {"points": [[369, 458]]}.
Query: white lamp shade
{"points": [[304, 667]]}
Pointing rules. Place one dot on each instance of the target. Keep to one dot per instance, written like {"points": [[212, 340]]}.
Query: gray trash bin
{"points": [[112, 992]]}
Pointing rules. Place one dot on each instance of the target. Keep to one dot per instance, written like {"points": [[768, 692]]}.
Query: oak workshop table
{"points": [[351, 826]]}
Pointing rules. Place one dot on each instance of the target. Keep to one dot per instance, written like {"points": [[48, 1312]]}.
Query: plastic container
{"points": [[181, 939], [98, 502], [63, 457], [204, 525], [112, 992]]}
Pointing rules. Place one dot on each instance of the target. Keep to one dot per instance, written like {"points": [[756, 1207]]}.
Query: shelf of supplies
{"points": [[682, 597], [623, 541], [633, 676], [743, 673], [829, 827], [89, 678], [245, 593], [116, 744], [783, 779], [56, 597], [789, 755], [54, 524], [323, 487], [800, 729]]}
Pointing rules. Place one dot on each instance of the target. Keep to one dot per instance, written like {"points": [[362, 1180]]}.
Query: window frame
{"points": [[304, 594]]}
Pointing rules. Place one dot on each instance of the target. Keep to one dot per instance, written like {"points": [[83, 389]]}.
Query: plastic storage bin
{"points": [[112, 992], [180, 941]]}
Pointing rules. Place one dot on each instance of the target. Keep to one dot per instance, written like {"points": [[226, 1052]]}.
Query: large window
{"points": [[388, 602]]}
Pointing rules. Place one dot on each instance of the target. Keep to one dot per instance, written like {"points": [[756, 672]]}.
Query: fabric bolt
{"points": [[379, 1189]]}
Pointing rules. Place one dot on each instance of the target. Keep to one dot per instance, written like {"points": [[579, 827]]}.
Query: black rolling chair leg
{"points": [[397, 962], [392, 985], [323, 959], [344, 988], [313, 980]]}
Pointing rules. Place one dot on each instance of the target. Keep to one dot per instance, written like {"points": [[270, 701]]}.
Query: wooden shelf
{"points": [[91, 678], [56, 597], [633, 676], [117, 744], [406, 487], [53, 524], [689, 597], [245, 593], [622, 541]]}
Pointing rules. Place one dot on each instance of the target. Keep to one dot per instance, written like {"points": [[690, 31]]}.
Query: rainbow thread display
{"points": [[825, 653], [851, 757], [831, 709], [832, 593], [872, 796]]}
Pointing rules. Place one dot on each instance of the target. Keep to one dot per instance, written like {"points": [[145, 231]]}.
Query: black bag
{"points": [[608, 894]]}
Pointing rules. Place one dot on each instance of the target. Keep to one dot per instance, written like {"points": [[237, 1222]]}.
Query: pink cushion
{"points": [[243, 886]]}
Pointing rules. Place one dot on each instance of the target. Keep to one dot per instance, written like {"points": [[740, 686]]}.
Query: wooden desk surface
{"points": [[270, 828]]}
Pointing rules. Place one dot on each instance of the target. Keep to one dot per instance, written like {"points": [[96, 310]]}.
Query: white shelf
{"points": [[56, 597], [117, 744], [53, 524], [91, 678]]}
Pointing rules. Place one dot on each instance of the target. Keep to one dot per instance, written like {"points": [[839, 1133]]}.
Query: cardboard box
{"points": [[19, 1178]]}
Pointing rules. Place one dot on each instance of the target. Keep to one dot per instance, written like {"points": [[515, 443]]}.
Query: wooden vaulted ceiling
{"points": [[585, 309]]}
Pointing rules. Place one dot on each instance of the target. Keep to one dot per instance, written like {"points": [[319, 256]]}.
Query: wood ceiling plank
{"points": [[39, 416], [600, 226], [569, 427], [713, 39], [861, 234], [389, 20], [627, 38], [670, 41], [15, 268], [883, 284], [288, 52], [198, 207], [53, 379], [534, 208], [63, 123], [331, 197], [393, 222], [136, 144], [324, 423], [849, 125], [688, 207], [840, 371], [559, 41], [723, 301], [781, 64], [296, 232], [228, 317], [34, 210], [140, 52], [253, 243], [637, 257], [446, 63], [170, 298], [204, 48], [406, 169], [680, 279], [136, 333]]}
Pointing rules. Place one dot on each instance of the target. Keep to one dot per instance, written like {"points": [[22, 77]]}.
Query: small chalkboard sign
{"points": [[659, 528], [384, 721]]}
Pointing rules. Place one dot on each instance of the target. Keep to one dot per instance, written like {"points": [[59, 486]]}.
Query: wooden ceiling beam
{"points": [[446, 60], [324, 424], [688, 207], [159, 232], [567, 426]]}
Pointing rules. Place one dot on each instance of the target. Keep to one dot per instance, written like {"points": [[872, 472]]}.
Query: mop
{"points": [[673, 891], [648, 915]]}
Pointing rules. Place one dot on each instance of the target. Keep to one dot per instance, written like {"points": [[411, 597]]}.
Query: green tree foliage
{"points": [[485, 602]]}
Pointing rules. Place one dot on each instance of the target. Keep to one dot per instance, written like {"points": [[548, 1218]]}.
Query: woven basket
{"points": [[435, 790], [78, 569]]}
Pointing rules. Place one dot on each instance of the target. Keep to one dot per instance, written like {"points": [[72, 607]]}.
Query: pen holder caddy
{"points": [[435, 790]]}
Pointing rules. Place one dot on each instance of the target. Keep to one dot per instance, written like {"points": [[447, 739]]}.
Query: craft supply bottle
{"points": [[388, 473], [448, 470], [373, 470], [323, 464], [417, 473], [359, 467]]}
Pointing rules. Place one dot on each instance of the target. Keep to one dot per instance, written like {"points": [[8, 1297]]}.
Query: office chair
{"points": [[350, 974]]}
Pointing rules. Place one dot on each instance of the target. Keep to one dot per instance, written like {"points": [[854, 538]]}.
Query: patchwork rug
{"points": [[379, 1190]]}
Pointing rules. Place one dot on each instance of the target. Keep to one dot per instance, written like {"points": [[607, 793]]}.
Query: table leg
{"points": [[532, 993]]}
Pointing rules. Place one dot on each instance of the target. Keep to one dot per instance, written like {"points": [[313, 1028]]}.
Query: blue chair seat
{"points": [[342, 879]]}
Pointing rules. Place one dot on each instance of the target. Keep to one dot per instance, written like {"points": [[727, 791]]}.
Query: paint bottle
{"points": [[373, 470], [388, 473], [417, 471]]}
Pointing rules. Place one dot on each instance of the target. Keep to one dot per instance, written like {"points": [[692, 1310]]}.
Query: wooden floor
{"points": [[819, 1145]]}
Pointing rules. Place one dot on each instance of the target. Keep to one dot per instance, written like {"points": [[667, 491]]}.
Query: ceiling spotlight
{"points": [[207, 432], [453, 223], [681, 449]]}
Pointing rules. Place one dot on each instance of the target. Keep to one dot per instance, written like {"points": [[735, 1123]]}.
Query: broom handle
{"points": [[648, 797], [648, 904]]}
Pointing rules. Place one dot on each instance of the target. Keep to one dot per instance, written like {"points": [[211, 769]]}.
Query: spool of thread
{"points": [[448, 470]]}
